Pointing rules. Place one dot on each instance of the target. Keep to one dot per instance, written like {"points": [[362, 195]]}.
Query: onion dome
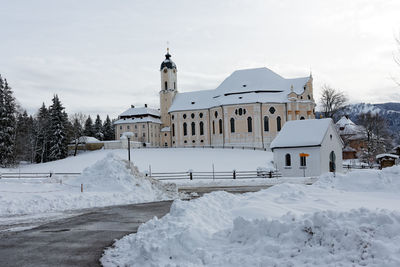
{"points": [[168, 63]]}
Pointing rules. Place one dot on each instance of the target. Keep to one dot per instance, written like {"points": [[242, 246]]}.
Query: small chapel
{"points": [[248, 109]]}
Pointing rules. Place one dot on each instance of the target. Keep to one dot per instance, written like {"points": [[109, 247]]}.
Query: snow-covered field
{"points": [[109, 181], [352, 219], [163, 160]]}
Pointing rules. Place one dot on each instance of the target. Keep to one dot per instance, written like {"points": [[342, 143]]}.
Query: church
{"points": [[247, 109]]}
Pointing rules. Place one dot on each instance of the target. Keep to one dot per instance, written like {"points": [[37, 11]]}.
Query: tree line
{"points": [[45, 136]]}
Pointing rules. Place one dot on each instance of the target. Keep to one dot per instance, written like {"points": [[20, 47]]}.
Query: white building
{"points": [[308, 148]]}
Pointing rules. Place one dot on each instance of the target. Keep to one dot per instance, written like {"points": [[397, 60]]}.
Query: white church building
{"points": [[248, 109], [308, 148]]}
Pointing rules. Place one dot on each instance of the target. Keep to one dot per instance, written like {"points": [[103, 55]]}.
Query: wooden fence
{"points": [[192, 175]]}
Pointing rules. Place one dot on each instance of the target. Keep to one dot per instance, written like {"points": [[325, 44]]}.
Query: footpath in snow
{"points": [[347, 220], [109, 181]]}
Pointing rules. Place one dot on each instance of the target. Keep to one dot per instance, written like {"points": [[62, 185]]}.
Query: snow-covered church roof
{"points": [[301, 133], [242, 86]]}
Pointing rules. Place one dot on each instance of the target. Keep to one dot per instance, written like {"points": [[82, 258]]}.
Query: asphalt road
{"points": [[78, 240]]}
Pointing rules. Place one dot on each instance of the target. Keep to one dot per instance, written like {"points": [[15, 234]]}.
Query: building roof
{"points": [[241, 87], [301, 133], [138, 120], [387, 156], [345, 126], [140, 111]]}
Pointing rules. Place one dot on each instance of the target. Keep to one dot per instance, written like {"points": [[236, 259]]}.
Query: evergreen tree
{"points": [[7, 125], [108, 130], [89, 129], [98, 128], [41, 134], [58, 143], [23, 139]]}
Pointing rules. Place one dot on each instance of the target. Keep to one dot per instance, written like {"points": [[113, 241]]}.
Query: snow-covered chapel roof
{"points": [[301, 133], [140, 111], [242, 86]]}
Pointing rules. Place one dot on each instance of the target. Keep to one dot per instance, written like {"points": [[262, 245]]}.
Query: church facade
{"points": [[247, 109]]}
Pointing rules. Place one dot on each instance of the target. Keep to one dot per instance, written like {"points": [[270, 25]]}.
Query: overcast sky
{"points": [[102, 56]]}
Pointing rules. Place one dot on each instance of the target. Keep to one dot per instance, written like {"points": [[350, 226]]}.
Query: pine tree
{"points": [[23, 140], [7, 125], [41, 133], [98, 128], [58, 143], [108, 129], [89, 130]]}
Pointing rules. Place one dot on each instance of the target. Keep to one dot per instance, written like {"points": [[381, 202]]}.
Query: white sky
{"points": [[102, 56]]}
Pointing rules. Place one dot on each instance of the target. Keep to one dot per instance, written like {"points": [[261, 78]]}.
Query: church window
{"points": [[216, 114], [184, 116], [309, 97], [278, 123], [144, 134], [301, 97], [184, 129], [173, 129], [192, 115], [174, 85], [232, 125], [135, 134], [303, 161], [213, 127], [202, 141], [236, 111], [244, 111], [173, 117], [266, 124], [249, 124], [302, 118], [240, 111], [165, 134], [201, 115], [288, 161], [185, 141], [220, 126], [193, 141], [135, 126], [272, 110], [193, 128], [201, 128], [166, 85], [120, 127], [165, 70]]}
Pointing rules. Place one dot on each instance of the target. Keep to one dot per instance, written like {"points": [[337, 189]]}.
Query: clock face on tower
{"points": [[165, 70]]}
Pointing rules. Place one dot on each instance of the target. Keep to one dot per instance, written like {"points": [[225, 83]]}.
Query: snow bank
{"points": [[347, 220], [387, 180], [110, 181]]}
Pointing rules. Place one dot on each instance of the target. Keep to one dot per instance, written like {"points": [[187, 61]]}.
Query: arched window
{"points": [[220, 126], [184, 128], [213, 127], [201, 128], [332, 162], [288, 161], [266, 124], [278, 123], [303, 161], [174, 85], [302, 118], [193, 128], [166, 85], [249, 124], [173, 129], [232, 125]]}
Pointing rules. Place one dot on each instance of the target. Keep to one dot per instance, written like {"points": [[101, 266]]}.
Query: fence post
{"points": [[191, 175], [234, 174], [270, 174], [81, 188]]}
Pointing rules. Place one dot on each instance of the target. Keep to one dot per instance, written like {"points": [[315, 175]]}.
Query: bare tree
{"points": [[377, 136], [332, 101], [78, 121]]}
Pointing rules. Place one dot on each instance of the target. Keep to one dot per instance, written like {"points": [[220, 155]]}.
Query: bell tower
{"points": [[169, 87]]}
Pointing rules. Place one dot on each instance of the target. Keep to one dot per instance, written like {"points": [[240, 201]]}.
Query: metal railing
{"points": [[360, 167]]}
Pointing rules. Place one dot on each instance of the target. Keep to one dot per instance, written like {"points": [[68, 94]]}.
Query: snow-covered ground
{"points": [[163, 160], [109, 181], [352, 219]]}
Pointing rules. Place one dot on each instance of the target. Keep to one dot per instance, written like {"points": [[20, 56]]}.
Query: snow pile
{"points": [[347, 220], [387, 180], [110, 181]]}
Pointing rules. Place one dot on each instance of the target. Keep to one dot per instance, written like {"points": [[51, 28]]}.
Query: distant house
{"points": [[386, 160], [308, 148], [353, 137]]}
